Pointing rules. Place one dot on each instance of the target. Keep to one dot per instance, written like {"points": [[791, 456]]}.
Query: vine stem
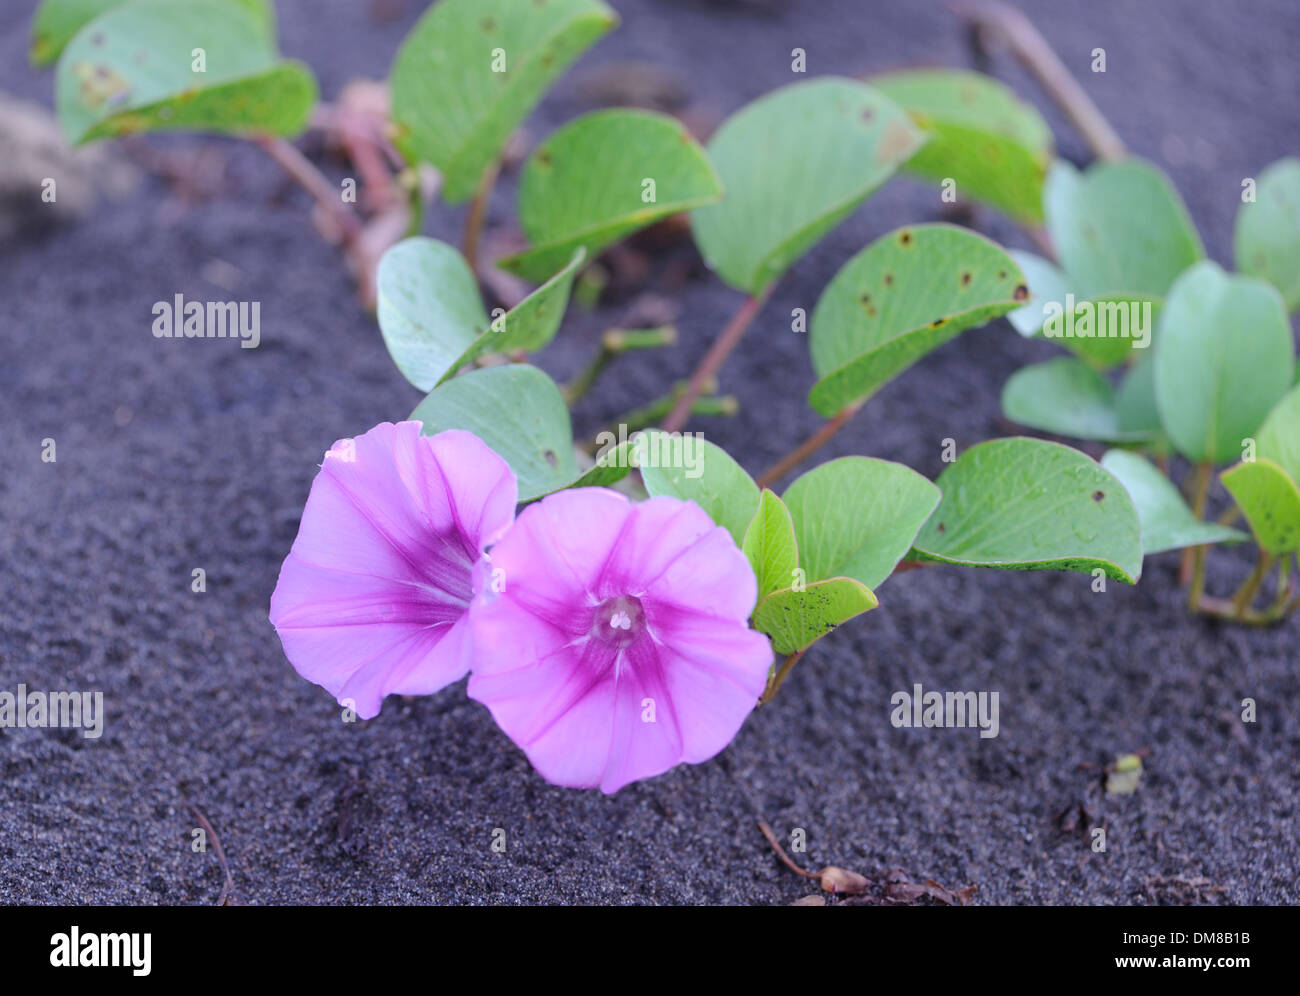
{"points": [[1250, 587], [775, 681], [714, 358], [1201, 496], [477, 212], [1031, 48], [312, 180], [614, 343], [780, 852], [807, 448]]}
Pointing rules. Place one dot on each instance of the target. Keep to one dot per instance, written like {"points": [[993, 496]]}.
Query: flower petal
{"points": [[371, 596], [590, 710]]}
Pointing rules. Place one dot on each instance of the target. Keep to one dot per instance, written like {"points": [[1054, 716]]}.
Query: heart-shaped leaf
{"points": [[1223, 358], [1120, 228], [794, 164], [770, 545], [796, 619], [1267, 237], [902, 296], [602, 177], [1270, 501], [1067, 397], [994, 145], [857, 517], [433, 319], [152, 65], [56, 22], [471, 70], [1123, 235], [689, 467], [519, 412], [1135, 402], [1026, 504], [1167, 523], [1278, 438]]}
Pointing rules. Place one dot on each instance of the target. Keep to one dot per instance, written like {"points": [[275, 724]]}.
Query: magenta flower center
{"points": [[618, 621]]}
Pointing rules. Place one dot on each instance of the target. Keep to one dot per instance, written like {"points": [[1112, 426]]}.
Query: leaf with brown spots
{"points": [[470, 71], [103, 87], [925, 284]]}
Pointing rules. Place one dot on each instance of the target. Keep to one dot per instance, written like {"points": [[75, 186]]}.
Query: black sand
{"points": [[176, 455]]}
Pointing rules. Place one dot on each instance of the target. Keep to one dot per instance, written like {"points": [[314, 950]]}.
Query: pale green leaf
{"points": [[1223, 358], [518, 411], [1167, 522], [794, 164], [1267, 237], [433, 320], [1066, 397], [56, 22]]}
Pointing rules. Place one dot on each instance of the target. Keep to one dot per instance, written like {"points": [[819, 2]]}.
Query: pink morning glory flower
{"points": [[372, 598], [617, 644]]}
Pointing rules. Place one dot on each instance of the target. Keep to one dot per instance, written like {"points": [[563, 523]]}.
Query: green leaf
{"points": [[1120, 228], [529, 325], [1267, 237], [1279, 437], [1122, 235], [1135, 402], [433, 319], [691, 468], [585, 185], [794, 164], [905, 294], [1223, 358], [1270, 501], [452, 108], [1026, 504], [428, 307], [56, 22], [994, 145], [132, 70], [1167, 522], [518, 411], [795, 620], [1067, 397], [857, 517], [770, 545], [611, 466]]}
